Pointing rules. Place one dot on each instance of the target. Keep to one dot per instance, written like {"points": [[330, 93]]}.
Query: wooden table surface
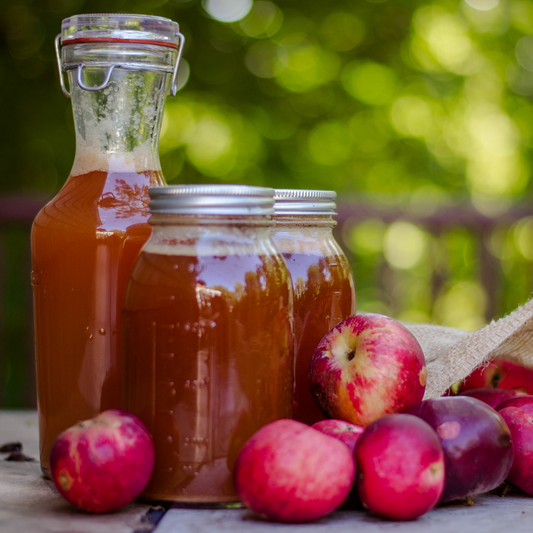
{"points": [[29, 503]]}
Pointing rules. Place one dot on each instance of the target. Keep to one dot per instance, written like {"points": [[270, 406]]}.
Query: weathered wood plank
{"points": [[490, 514], [30, 503]]}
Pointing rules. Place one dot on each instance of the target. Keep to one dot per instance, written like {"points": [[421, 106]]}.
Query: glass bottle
{"points": [[324, 289], [85, 240], [208, 346]]}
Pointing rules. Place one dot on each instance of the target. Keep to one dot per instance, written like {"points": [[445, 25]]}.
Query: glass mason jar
{"points": [[324, 289], [208, 346], [84, 242]]}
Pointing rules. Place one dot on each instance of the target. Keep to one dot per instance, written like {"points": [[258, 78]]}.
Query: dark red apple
{"points": [[366, 367], [500, 374], [344, 431], [476, 442], [492, 397], [289, 472], [400, 467], [520, 424], [522, 401], [103, 463]]}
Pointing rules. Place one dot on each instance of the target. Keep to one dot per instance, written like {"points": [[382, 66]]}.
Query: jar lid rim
{"points": [[303, 194], [198, 199], [119, 27], [304, 202]]}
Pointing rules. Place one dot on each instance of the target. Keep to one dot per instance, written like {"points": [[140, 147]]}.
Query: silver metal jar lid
{"points": [[304, 202], [228, 200]]}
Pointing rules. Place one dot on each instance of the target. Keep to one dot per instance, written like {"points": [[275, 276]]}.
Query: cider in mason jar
{"points": [[208, 336], [324, 289]]}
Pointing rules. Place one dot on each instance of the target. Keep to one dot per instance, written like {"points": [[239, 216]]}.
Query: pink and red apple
{"points": [[289, 472], [366, 367], [103, 463], [520, 424], [522, 401], [501, 374], [344, 431], [400, 467]]}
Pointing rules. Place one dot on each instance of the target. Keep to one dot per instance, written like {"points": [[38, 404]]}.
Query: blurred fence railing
{"points": [[486, 237], [17, 365]]}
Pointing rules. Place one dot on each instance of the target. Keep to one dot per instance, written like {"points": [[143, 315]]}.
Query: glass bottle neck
{"points": [[117, 128]]}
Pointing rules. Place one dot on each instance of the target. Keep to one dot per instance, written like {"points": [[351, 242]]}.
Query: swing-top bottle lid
{"points": [[304, 202], [119, 27]]}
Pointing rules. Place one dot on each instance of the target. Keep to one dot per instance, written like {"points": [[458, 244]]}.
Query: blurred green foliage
{"points": [[421, 102], [420, 98]]}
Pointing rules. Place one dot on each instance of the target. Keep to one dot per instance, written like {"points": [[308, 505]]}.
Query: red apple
{"points": [[368, 366], [103, 463], [289, 472], [344, 431], [492, 397], [476, 441], [500, 374], [523, 401], [521, 426], [400, 467]]}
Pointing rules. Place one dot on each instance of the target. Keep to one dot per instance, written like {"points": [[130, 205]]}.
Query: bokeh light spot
{"points": [[264, 20], [523, 237], [227, 10], [405, 245], [366, 238], [447, 40], [411, 116], [262, 59], [329, 143], [307, 65], [209, 140], [463, 306], [342, 31], [524, 52], [483, 5], [370, 82]]}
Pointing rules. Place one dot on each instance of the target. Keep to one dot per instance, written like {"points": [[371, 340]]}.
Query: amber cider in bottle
{"points": [[85, 241]]}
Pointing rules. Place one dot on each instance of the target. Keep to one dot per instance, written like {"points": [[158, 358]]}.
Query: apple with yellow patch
{"points": [[366, 367], [103, 463]]}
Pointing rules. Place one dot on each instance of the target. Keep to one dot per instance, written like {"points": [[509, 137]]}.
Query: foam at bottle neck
{"points": [[93, 158]]}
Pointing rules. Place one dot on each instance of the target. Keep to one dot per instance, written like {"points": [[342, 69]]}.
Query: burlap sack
{"points": [[452, 354]]}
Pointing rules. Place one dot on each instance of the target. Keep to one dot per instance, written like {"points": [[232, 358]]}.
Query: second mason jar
{"points": [[324, 289], [208, 336]]}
